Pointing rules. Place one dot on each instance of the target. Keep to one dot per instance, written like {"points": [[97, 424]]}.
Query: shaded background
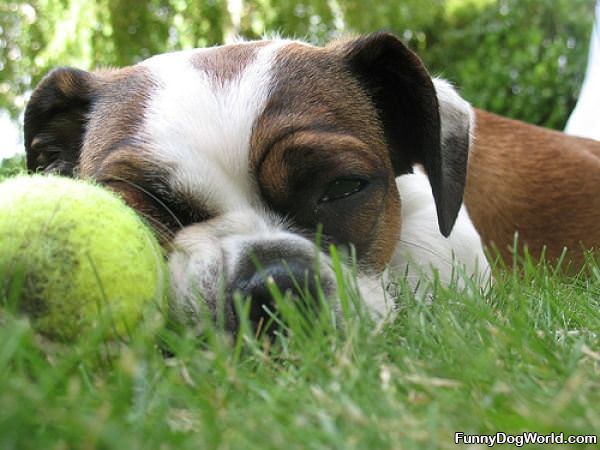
{"points": [[520, 58]]}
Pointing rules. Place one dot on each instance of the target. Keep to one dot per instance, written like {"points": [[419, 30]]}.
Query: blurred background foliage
{"points": [[520, 58]]}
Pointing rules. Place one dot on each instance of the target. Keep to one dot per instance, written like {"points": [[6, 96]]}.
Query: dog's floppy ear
{"points": [[407, 104], [55, 120]]}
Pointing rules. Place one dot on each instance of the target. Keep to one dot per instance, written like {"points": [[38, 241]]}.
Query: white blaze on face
{"points": [[201, 126]]}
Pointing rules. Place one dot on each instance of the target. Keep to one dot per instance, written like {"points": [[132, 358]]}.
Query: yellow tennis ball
{"points": [[76, 257]]}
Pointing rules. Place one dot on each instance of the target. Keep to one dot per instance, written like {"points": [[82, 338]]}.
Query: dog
{"points": [[243, 156]]}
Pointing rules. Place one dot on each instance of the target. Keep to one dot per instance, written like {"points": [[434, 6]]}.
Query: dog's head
{"points": [[238, 154]]}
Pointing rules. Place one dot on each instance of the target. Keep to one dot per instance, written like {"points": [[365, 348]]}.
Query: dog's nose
{"points": [[295, 279]]}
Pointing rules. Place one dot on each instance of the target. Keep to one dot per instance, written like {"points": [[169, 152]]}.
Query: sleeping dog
{"points": [[239, 154]]}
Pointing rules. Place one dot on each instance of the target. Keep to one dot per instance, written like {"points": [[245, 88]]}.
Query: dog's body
{"points": [[542, 184], [240, 153]]}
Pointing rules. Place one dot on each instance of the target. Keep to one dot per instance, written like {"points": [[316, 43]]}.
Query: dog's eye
{"points": [[342, 188]]}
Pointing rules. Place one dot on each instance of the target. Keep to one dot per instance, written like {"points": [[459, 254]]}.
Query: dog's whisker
{"points": [[153, 197], [159, 228], [427, 249]]}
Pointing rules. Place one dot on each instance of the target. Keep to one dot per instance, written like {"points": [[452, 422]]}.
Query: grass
{"points": [[11, 166], [524, 356]]}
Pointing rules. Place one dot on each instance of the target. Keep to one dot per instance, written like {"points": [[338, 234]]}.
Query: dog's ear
{"points": [[55, 121], [407, 104]]}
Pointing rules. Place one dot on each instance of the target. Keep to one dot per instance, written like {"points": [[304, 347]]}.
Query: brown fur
{"points": [[224, 63], [318, 125], [543, 184], [120, 97]]}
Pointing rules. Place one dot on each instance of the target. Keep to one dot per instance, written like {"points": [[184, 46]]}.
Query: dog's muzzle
{"points": [[294, 278], [218, 276]]}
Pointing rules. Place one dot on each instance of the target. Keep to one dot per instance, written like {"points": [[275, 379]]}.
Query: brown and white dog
{"points": [[239, 153]]}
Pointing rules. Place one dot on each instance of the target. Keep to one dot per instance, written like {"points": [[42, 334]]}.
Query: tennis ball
{"points": [[74, 254]]}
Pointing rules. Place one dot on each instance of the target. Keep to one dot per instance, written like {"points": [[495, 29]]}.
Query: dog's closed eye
{"points": [[166, 211], [341, 188]]}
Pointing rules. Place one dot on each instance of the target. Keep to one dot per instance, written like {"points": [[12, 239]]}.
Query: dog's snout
{"points": [[294, 279]]}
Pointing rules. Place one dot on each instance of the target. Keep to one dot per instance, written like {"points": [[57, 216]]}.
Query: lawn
{"points": [[522, 356]]}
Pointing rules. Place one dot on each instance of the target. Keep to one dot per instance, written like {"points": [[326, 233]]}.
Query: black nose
{"points": [[295, 279]]}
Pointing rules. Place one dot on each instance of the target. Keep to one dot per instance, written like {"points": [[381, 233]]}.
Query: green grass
{"points": [[524, 356], [11, 166]]}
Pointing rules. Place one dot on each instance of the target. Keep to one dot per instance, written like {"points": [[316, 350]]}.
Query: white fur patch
{"points": [[423, 249], [202, 128]]}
